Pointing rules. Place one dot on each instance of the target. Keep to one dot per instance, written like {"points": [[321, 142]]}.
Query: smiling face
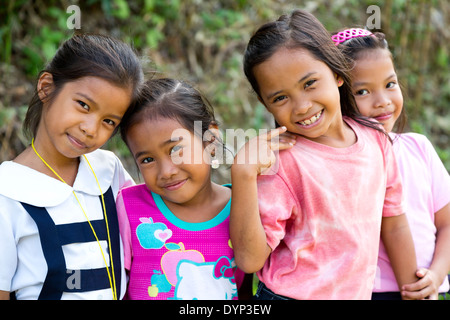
{"points": [[301, 92], [81, 117], [375, 87], [170, 159]]}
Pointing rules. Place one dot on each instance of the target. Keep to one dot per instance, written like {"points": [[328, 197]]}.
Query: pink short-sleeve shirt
{"points": [[322, 211]]}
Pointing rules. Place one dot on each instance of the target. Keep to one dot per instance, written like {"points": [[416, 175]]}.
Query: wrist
{"points": [[244, 172], [439, 274]]}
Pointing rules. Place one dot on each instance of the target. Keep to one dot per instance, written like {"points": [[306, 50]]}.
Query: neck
{"points": [[53, 163], [203, 207], [339, 135]]}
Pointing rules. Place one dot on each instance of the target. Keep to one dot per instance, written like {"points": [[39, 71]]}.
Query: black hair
{"points": [[354, 49], [87, 55], [301, 29], [172, 99]]}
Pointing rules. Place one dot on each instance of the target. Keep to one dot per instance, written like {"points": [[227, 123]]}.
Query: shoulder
{"points": [[108, 170], [414, 139], [134, 189], [135, 193], [365, 130], [100, 158], [415, 144], [23, 184]]}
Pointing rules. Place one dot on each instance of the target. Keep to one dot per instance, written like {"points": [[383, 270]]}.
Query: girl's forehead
{"points": [[159, 129], [287, 67], [373, 60], [373, 55], [288, 61]]}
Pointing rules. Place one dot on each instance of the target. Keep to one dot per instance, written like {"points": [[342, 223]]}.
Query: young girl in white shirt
{"points": [[59, 236]]}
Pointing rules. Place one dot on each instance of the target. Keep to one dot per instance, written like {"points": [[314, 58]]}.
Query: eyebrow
{"points": [[268, 97], [171, 140], [86, 97], [359, 84]]}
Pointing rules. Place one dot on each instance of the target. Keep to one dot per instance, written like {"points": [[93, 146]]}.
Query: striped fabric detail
{"points": [[59, 279]]}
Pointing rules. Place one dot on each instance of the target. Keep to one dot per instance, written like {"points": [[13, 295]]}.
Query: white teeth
{"points": [[311, 120]]}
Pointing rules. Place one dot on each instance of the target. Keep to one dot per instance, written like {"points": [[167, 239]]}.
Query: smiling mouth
{"points": [[311, 120], [175, 186], [383, 116], [77, 143]]}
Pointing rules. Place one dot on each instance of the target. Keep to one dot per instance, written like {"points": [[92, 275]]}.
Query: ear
{"points": [[45, 86], [210, 138], [339, 80], [214, 129]]}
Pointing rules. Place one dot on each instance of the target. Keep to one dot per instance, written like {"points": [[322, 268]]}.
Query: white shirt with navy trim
{"points": [[23, 268]]}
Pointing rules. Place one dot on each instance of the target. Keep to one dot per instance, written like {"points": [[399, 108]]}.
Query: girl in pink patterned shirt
{"points": [[310, 223], [175, 226]]}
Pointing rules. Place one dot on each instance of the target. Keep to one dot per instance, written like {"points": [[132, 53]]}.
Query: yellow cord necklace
{"points": [[112, 281]]}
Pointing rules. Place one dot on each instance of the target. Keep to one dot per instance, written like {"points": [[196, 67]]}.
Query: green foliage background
{"points": [[202, 41]]}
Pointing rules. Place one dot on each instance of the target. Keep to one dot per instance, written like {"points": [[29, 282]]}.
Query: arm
{"points": [[4, 295], [432, 278], [125, 231], [246, 230], [399, 246]]}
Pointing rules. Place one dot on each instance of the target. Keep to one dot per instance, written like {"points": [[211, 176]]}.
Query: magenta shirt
{"points": [[426, 185], [322, 212], [172, 259]]}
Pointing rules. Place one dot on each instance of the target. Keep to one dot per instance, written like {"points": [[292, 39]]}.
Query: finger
{"points": [[288, 135], [284, 144], [422, 272], [275, 132], [418, 285], [281, 145], [416, 295], [283, 138]]}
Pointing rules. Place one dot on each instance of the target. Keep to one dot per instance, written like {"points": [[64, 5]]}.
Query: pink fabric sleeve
{"points": [[125, 230], [275, 207], [393, 201], [439, 177]]}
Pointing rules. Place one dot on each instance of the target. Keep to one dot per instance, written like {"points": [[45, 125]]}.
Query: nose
{"points": [[301, 105], [381, 100], [89, 126], [167, 169]]}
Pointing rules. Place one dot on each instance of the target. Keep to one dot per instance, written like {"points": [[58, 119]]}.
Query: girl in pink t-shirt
{"points": [[175, 227], [310, 224], [426, 182]]}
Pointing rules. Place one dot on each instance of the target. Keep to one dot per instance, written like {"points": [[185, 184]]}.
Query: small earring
{"points": [[215, 163]]}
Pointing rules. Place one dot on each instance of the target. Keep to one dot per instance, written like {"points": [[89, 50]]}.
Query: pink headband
{"points": [[348, 34]]}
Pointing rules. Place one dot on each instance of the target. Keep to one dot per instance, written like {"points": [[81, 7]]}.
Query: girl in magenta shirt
{"points": [[175, 227], [426, 182], [310, 224]]}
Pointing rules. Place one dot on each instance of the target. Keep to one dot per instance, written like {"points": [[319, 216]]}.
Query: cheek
{"points": [[281, 114], [149, 177], [103, 136], [364, 107], [399, 104]]}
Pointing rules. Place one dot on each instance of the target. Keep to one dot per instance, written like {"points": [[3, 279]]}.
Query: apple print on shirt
{"points": [[152, 235]]}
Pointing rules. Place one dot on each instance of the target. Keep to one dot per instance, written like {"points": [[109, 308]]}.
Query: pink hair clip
{"points": [[348, 34]]}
